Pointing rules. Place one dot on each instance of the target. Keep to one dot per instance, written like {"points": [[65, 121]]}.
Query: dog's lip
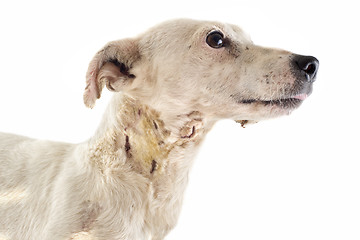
{"points": [[301, 96], [292, 101]]}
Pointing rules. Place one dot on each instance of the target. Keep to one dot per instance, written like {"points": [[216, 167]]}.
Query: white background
{"points": [[295, 177]]}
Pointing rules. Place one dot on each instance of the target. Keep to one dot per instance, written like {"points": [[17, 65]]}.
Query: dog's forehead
{"points": [[177, 36], [229, 30], [187, 28], [236, 33]]}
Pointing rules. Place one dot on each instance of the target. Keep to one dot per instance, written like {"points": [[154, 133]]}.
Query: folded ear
{"points": [[111, 66]]}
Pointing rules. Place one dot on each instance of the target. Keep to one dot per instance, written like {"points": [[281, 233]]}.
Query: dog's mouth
{"points": [[285, 103]]}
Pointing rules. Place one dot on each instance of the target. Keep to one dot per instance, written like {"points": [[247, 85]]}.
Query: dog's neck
{"points": [[135, 146], [151, 146]]}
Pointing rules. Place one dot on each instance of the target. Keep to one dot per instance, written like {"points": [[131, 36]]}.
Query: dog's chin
{"points": [[266, 109], [245, 122]]}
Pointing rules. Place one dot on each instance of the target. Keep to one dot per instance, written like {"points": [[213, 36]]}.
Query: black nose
{"points": [[307, 65]]}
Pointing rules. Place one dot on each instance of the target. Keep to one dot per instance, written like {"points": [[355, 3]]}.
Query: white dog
{"points": [[171, 85]]}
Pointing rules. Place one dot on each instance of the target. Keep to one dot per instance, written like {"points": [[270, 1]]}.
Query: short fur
{"points": [[128, 180]]}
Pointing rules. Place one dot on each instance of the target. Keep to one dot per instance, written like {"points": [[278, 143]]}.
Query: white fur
{"points": [[128, 180]]}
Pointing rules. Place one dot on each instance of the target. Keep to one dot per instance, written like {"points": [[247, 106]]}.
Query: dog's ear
{"points": [[111, 66]]}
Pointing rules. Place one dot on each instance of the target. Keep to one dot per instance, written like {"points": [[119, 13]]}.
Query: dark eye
{"points": [[215, 39]]}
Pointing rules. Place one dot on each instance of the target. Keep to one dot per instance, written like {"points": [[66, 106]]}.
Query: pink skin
{"points": [[302, 96]]}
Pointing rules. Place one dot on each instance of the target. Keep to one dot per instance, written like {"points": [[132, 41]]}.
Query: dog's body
{"points": [[127, 182]]}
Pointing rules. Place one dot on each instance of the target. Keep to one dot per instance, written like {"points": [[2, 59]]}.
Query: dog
{"points": [[171, 84]]}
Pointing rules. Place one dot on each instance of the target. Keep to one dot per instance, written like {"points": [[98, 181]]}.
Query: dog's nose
{"points": [[308, 66]]}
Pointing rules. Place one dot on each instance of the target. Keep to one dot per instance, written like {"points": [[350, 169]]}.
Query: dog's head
{"points": [[185, 65]]}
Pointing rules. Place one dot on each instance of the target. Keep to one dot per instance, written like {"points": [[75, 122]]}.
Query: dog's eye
{"points": [[215, 39]]}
